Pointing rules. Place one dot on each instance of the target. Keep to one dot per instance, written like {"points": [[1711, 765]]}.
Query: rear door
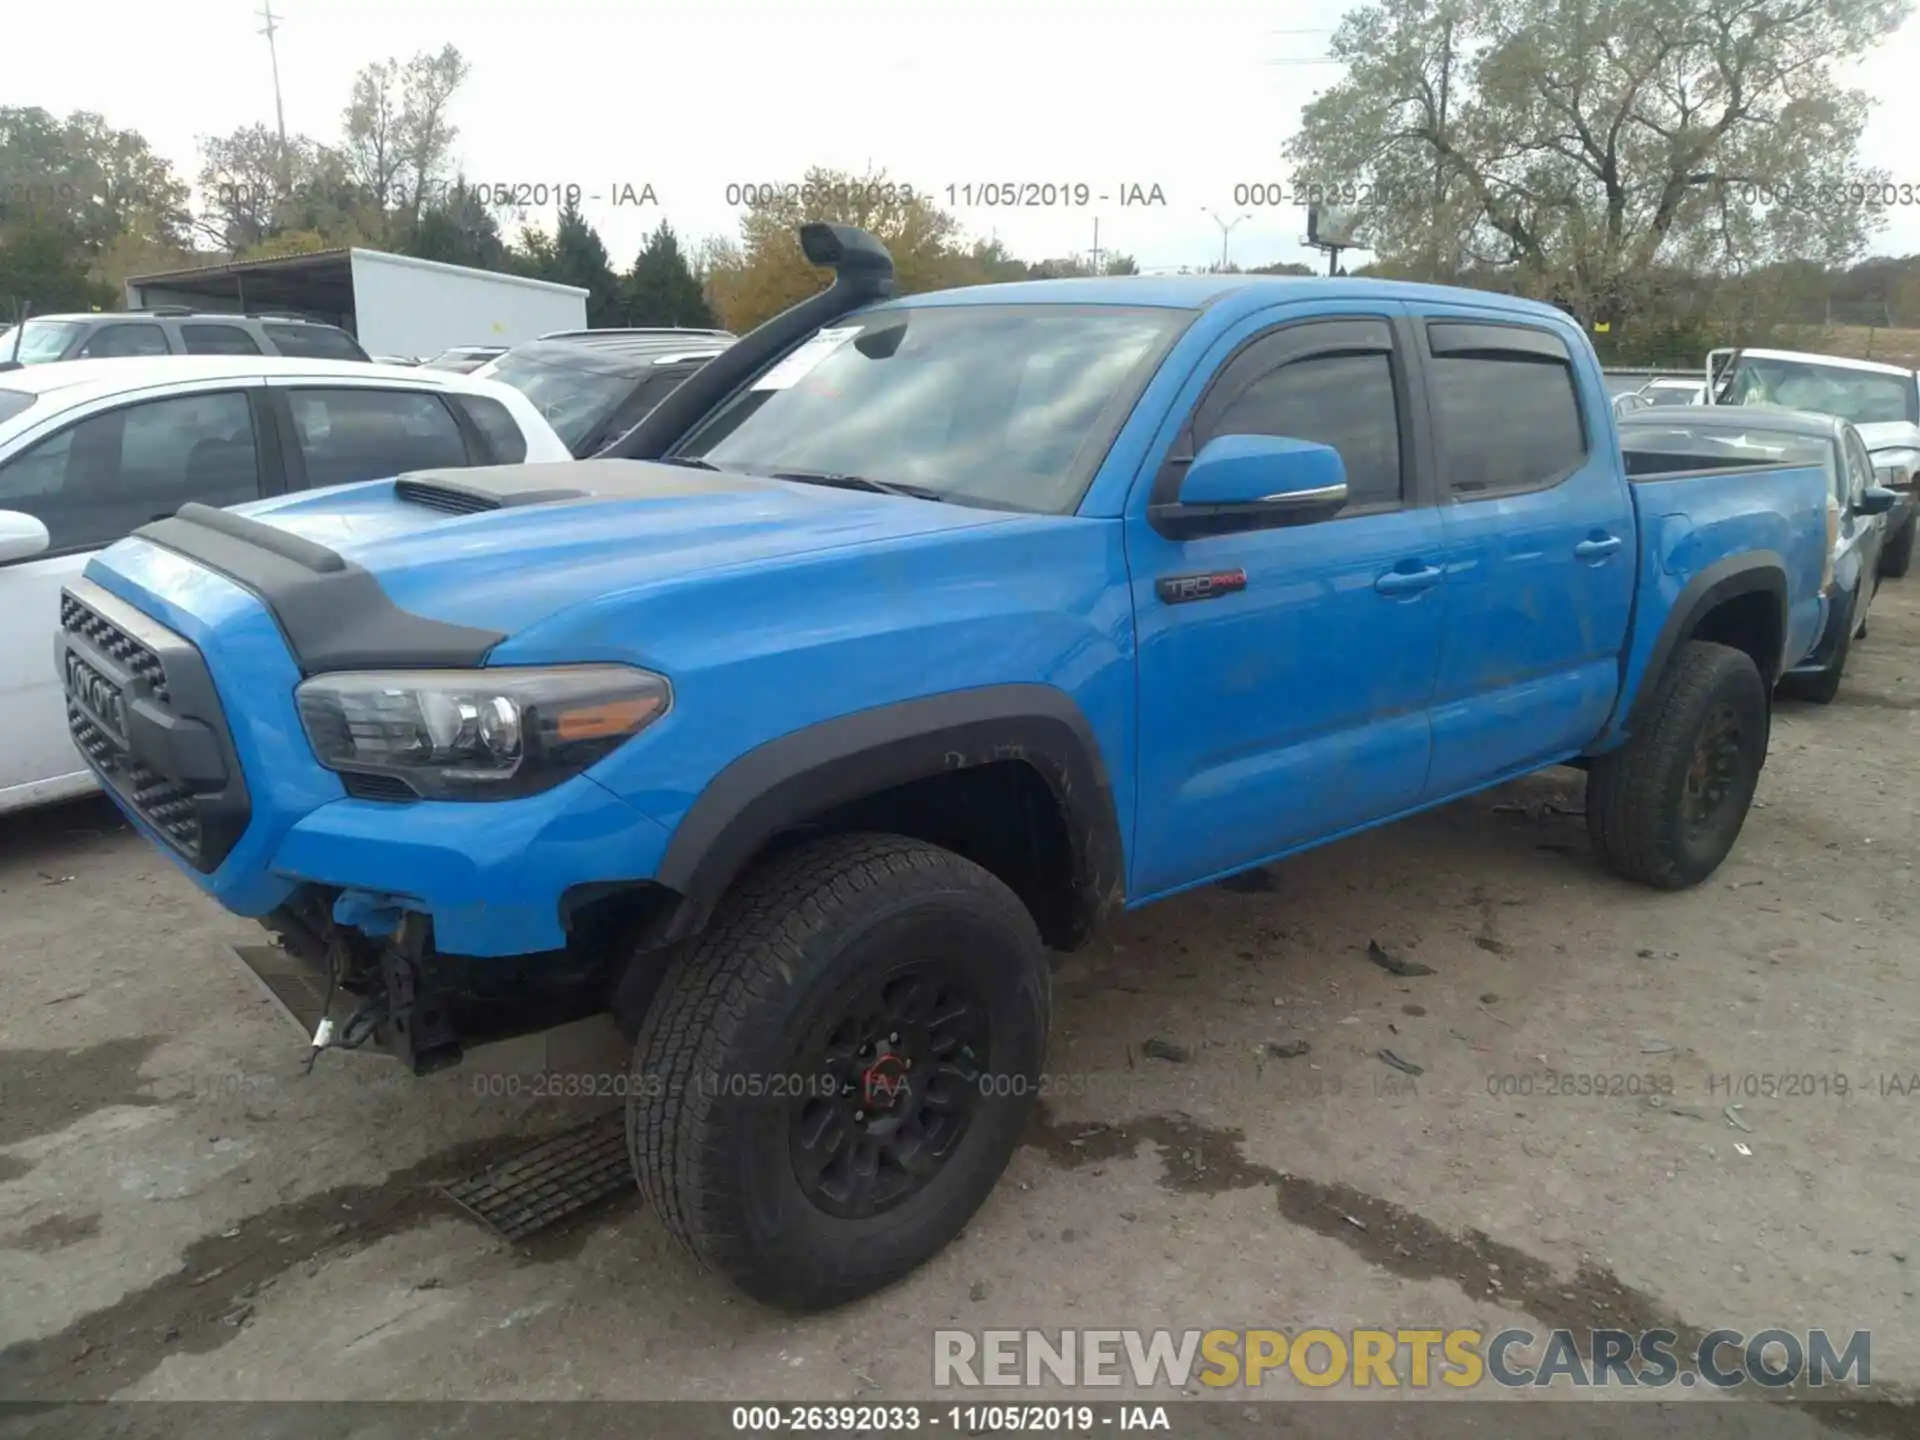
{"points": [[1540, 550], [91, 477]]}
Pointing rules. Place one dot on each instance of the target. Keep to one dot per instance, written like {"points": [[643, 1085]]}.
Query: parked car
{"points": [[92, 449], [128, 334], [593, 385], [910, 636], [1669, 390], [1882, 401], [1857, 507], [465, 359]]}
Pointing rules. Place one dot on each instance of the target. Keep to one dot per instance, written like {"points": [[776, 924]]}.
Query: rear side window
{"points": [[351, 435], [218, 340], [314, 342], [117, 341], [496, 423], [1507, 421]]}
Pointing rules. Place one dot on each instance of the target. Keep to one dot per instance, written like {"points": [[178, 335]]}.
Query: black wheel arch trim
{"points": [[807, 772], [333, 613], [1756, 572]]}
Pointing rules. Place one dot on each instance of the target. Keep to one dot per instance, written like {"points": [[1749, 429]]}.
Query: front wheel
{"points": [[1897, 558], [830, 1082], [1823, 685], [1665, 808]]}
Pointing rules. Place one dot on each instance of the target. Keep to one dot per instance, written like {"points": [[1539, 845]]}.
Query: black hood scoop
{"points": [[507, 487]]}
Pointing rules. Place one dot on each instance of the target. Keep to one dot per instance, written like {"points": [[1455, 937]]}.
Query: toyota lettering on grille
{"points": [[96, 694]]}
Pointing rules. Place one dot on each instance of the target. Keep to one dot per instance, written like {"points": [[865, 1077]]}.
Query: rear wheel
{"points": [[1897, 558], [832, 1080], [1666, 808]]}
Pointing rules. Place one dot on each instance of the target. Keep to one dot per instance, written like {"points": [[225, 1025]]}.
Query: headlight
{"points": [[1895, 467], [477, 734]]}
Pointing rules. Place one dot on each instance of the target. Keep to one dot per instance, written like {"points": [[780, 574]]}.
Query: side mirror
{"points": [[1237, 481], [21, 536], [1876, 500]]}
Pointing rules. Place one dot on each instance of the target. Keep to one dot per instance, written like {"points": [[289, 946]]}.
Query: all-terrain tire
{"points": [[711, 1108], [1897, 558], [1637, 796]]}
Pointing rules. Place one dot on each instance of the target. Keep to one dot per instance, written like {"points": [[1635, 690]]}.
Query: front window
{"points": [[1864, 397], [39, 340], [1008, 406], [576, 403]]}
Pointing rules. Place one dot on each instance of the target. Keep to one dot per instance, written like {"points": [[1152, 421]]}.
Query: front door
{"points": [[1285, 672], [90, 482]]}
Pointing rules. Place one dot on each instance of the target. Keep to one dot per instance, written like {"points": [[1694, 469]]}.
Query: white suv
{"points": [[92, 449]]}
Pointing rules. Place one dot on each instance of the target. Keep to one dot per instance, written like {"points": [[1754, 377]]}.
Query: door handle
{"points": [[1407, 582], [1597, 549]]}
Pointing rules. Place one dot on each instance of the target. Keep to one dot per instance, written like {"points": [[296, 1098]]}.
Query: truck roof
{"points": [[1196, 292]]}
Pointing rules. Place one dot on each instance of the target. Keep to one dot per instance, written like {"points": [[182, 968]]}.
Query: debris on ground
{"points": [[1655, 1047], [1161, 1048], [1354, 1221], [1399, 1064], [1740, 1147], [1489, 998], [1413, 1009], [1646, 954], [977, 1291], [1394, 964], [1732, 1112], [1287, 1049]]}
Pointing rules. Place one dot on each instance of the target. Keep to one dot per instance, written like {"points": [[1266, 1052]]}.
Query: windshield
{"points": [[1011, 406], [1671, 395], [39, 341], [575, 403], [1865, 397]]}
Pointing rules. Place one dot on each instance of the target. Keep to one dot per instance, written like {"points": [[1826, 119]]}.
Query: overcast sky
{"points": [[1193, 97]]}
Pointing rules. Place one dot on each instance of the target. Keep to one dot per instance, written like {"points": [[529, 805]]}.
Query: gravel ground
{"points": [[185, 1215]]}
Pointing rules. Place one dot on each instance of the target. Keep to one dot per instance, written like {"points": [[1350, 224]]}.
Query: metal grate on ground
{"points": [[297, 988], [553, 1181]]}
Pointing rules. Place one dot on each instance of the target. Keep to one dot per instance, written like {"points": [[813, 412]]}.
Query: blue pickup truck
{"points": [[909, 638]]}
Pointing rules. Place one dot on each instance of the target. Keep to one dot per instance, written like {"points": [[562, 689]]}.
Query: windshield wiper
{"points": [[859, 482], [692, 462]]}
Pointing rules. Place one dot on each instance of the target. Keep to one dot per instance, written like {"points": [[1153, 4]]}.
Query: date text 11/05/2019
{"points": [[507, 194], [1051, 194]]}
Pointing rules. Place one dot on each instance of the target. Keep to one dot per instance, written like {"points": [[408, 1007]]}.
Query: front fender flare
{"points": [[809, 771]]}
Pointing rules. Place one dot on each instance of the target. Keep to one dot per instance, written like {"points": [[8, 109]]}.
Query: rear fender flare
{"points": [[1761, 571]]}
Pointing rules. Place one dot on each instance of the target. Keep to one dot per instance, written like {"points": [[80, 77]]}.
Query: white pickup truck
{"points": [[1882, 401]]}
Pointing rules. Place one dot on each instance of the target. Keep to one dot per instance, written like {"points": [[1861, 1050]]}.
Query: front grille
{"points": [[164, 805], [110, 640], [442, 498], [142, 711]]}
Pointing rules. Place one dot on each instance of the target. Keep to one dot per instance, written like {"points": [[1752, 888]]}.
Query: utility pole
{"points": [[1096, 244], [279, 109], [1226, 229], [1440, 268]]}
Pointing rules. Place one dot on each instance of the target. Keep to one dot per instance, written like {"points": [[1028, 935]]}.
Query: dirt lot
{"points": [[183, 1214]]}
